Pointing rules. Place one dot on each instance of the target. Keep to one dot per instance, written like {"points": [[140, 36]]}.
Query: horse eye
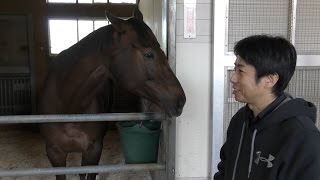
{"points": [[149, 55]]}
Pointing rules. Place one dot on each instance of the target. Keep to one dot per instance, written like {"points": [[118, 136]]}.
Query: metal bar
{"points": [[293, 21], [82, 170], [81, 117], [169, 127]]}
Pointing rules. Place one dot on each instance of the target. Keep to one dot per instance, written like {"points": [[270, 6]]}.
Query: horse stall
{"points": [[24, 57]]}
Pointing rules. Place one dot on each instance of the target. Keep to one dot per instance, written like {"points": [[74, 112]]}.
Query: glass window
{"points": [[100, 1], [64, 33], [84, 28], [61, 1], [91, 1], [100, 23], [123, 1], [85, 1]]}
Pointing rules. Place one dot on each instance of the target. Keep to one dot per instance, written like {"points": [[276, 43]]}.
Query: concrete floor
{"points": [[20, 147]]}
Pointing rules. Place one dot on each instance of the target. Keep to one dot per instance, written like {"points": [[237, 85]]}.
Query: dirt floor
{"points": [[21, 147]]}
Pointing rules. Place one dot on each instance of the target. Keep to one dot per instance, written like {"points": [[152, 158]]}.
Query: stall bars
{"points": [[81, 118]]}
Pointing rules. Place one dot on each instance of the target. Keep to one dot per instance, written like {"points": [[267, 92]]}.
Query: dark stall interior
{"points": [[25, 51], [24, 58]]}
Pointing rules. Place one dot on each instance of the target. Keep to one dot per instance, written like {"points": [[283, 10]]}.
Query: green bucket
{"points": [[139, 141]]}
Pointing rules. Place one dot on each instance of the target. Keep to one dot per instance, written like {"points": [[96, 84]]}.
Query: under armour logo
{"points": [[260, 158]]}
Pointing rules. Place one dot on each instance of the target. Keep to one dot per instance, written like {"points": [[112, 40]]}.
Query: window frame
{"points": [[81, 11], [92, 20], [92, 2]]}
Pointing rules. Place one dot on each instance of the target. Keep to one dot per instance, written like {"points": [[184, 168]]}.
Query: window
{"points": [[71, 20], [122, 1], [61, 1], [63, 33], [92, 1]]}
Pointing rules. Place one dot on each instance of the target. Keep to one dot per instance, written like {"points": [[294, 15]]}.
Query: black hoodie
{"points": [[282, 143]]}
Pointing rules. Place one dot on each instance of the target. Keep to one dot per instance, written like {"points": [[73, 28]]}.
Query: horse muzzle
{"points": [[176, 108]]}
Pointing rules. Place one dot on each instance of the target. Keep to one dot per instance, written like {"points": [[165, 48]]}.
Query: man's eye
{"points": [[237, 69], [149, 55]]}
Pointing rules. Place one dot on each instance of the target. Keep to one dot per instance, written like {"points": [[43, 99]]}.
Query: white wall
{"points": [[153, 16], [200, 65], [193, 69]]}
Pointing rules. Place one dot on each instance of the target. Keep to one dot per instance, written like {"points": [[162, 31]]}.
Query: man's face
{"points": [[245, 87]]}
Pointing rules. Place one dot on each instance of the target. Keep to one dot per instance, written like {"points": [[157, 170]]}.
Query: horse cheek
{"points": [[123, 73]]}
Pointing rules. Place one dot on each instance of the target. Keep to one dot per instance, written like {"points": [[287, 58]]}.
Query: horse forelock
{"points": [[145, 35]]}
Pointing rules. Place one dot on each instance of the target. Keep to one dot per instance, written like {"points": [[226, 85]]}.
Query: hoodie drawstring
{"points": [[251, 151], [239, 148]]}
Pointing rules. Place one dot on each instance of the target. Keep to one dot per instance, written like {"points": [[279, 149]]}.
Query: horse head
{"points": [[139, 65]]}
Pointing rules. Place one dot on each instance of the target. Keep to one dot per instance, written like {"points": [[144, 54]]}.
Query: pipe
{"points": [[81, 117], [82, 170]]}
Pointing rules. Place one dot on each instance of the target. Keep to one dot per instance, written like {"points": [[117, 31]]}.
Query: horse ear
{"points": [[115, 21], [137, 13]]}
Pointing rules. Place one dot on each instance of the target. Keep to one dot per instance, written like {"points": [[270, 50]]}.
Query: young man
{"points": [[274, 136]]}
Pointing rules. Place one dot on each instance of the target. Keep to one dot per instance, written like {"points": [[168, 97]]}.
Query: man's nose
{"points": [[233, 78]]}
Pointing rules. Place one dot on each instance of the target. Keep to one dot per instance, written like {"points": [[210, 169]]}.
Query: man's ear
{"points": [[271, 80], [116, 22]]}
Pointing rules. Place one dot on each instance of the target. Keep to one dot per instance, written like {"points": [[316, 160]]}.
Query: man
{"points": [[274, 136]]}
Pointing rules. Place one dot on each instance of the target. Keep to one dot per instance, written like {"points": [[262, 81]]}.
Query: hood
{"points": [[288, 109]]}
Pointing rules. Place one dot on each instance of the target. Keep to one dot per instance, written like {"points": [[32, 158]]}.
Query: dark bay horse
{"points": [[126, 52]]}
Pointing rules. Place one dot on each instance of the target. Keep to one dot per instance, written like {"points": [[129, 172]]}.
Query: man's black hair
{"points": [[269, 55]]}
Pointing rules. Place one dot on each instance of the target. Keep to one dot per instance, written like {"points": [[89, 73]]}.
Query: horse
{"points": [[126, 52]]}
